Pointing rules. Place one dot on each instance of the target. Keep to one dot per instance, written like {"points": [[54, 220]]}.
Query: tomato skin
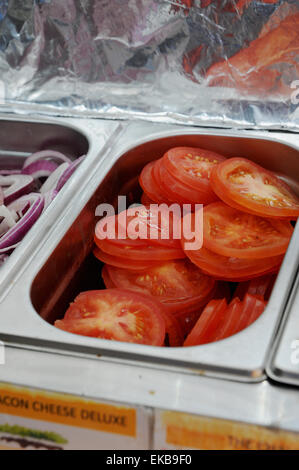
{"points": [[193, 166], [252, 308], [146, 253], [230, 232], [260, 286], [225, 268], [115, 314], [106, 278], [178, 191], [133, 265], [207, 323], [149, 185], [249, 187], [227, 326], [178, 285]]}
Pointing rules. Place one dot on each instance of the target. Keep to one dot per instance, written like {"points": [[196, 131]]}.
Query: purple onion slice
{"points": [[46, 155], [52, 181], [68, 173], [14, 186], [16, 233], [40, 169]]}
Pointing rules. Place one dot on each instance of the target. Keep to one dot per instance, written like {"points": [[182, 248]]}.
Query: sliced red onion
{"points": [[15, 186], [6, 251], [10, 172], [53, 179], [1, 196], [16, 233], [40, 169], [9, 219], [68, 173], [48, 197], [46, 155]]}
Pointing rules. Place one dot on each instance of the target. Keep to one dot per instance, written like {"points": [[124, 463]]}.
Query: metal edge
{"points": [[208, 132], [36, 237]]}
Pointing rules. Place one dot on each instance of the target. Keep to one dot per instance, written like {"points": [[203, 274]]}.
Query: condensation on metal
{"points": [[137, 59]]}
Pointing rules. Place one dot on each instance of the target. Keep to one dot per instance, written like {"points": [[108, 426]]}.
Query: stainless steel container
{"points": [[64, 266], [283, 365], [21, 136]]}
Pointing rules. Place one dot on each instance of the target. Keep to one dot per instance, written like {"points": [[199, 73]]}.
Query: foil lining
{"points": [[222, 63]]}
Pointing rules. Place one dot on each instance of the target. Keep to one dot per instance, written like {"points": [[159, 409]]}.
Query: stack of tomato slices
{"points": [[201, 295]]}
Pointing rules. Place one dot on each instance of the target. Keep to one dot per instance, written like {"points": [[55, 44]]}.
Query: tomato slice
{"points": [[178, 191], [149, 185], [143, 253], [230, 232], [207, 323], [252, 308], [193, 167], [247, 186], [111, 228], [133, 265], [115, 314], [178, 284], [106, 278], [187, 320], [233, 269], [260, 286], [228, 323], [174, 334]]}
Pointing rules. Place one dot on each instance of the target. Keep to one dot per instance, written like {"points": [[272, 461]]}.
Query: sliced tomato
{"points": [[233, 269], [252, 308], [230, 232], [143, 253], [149, 185], [187, 320], [115, 314], [113, 229], [260, 286], [178, 284], [174, 335], [229, 320], [106, 278], [161, 223], [133, 265], [207, 323], [177, 190], [247, 186], [193, 167]]}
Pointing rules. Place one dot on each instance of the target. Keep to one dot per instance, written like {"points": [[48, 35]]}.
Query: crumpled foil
{"points": [[166, 61]]}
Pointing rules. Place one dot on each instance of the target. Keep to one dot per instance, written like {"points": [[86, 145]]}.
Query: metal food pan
{"points": [[65, 266], [283, 365], [20, 137]]}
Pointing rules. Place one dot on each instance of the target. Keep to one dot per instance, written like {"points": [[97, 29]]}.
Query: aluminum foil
{"points": [[195, 62]]}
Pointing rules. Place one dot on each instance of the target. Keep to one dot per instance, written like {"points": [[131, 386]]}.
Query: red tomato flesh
{"points": [[249, 187], [207, 323], [230, 232], [178, 284], [115, 314]]}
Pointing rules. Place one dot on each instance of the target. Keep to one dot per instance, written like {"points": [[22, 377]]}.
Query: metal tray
{"points": [[283, 365], [21, 136], [64, 266]]}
